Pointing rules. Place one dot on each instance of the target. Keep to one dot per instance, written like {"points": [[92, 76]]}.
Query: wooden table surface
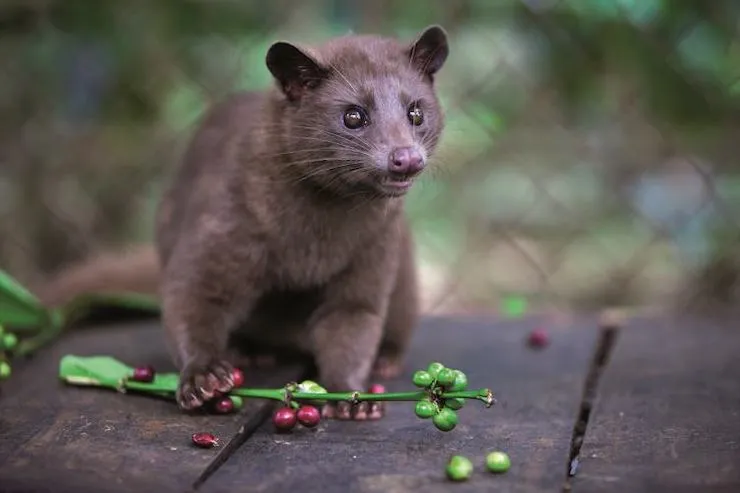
{"points": [[666, 418]]}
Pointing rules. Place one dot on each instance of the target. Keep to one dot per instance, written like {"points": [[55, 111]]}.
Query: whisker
{"points": [[343, 77], [349, 145], [320, 150], [324, 132]]}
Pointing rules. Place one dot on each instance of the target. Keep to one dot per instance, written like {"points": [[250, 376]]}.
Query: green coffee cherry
{"points": [[445, 419], [435, 368], [460, 383], [455, 403], [237, 401], [4, 370], [425, 409], [10, 341], [422, 379], [459, 468], [446, 377], [498, 462]]}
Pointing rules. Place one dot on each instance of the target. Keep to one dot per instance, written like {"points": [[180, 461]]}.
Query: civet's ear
{"points": [[429, 52], [295, 71]]}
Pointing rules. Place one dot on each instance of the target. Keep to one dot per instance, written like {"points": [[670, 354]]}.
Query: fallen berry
{"points": [[4, 370], [237, 401], [143, 374], [204, 440], [425, 409], [284, 419], [538, 338], [422, 379], [446, 377], [460, 383], [455, 403], [308, 416], [435, 368], [459, 468], [445, 419], [376, 388], [237, 376], [10, 341], [224, 405], [498, 462]]}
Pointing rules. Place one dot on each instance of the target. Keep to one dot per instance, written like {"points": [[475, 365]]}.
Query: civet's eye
{"points": [[416, 116], [355, 118]]}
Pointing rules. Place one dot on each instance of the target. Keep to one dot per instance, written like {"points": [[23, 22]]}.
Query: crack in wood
{"points": [[609, 329], [245, 431]]}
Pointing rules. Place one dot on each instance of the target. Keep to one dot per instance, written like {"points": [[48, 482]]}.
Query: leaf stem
{"points": [[275, 394], [279, 394]]}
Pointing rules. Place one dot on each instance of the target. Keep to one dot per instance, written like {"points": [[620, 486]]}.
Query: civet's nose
{"points": [[405, 161]]}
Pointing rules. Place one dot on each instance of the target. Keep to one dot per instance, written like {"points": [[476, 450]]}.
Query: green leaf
{"points": [[309, 386], [105, 371], [102, 371], [13, 290], [19, 307]]}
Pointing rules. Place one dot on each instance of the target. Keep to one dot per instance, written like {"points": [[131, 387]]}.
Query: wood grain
{"points": [[668, 414]]}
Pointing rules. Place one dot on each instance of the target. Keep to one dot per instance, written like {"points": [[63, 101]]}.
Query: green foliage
{"points": [[18, 307], [100, 95], [666, 43], [678, 51]]}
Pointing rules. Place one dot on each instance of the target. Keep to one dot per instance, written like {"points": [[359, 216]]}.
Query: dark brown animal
{"points": [[284, 226]]}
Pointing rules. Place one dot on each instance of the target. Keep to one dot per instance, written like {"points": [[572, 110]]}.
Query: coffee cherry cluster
{"points": [[226, 404], [437, 379], [444, 392], [8, 342], [286, 418], [223, 404]]}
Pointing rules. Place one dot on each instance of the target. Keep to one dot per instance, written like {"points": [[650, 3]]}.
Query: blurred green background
{"points": [[590, 156]]}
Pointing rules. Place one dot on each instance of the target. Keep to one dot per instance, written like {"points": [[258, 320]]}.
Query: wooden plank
{"points": [[538, 396], [55, 437], [667, 417]]}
